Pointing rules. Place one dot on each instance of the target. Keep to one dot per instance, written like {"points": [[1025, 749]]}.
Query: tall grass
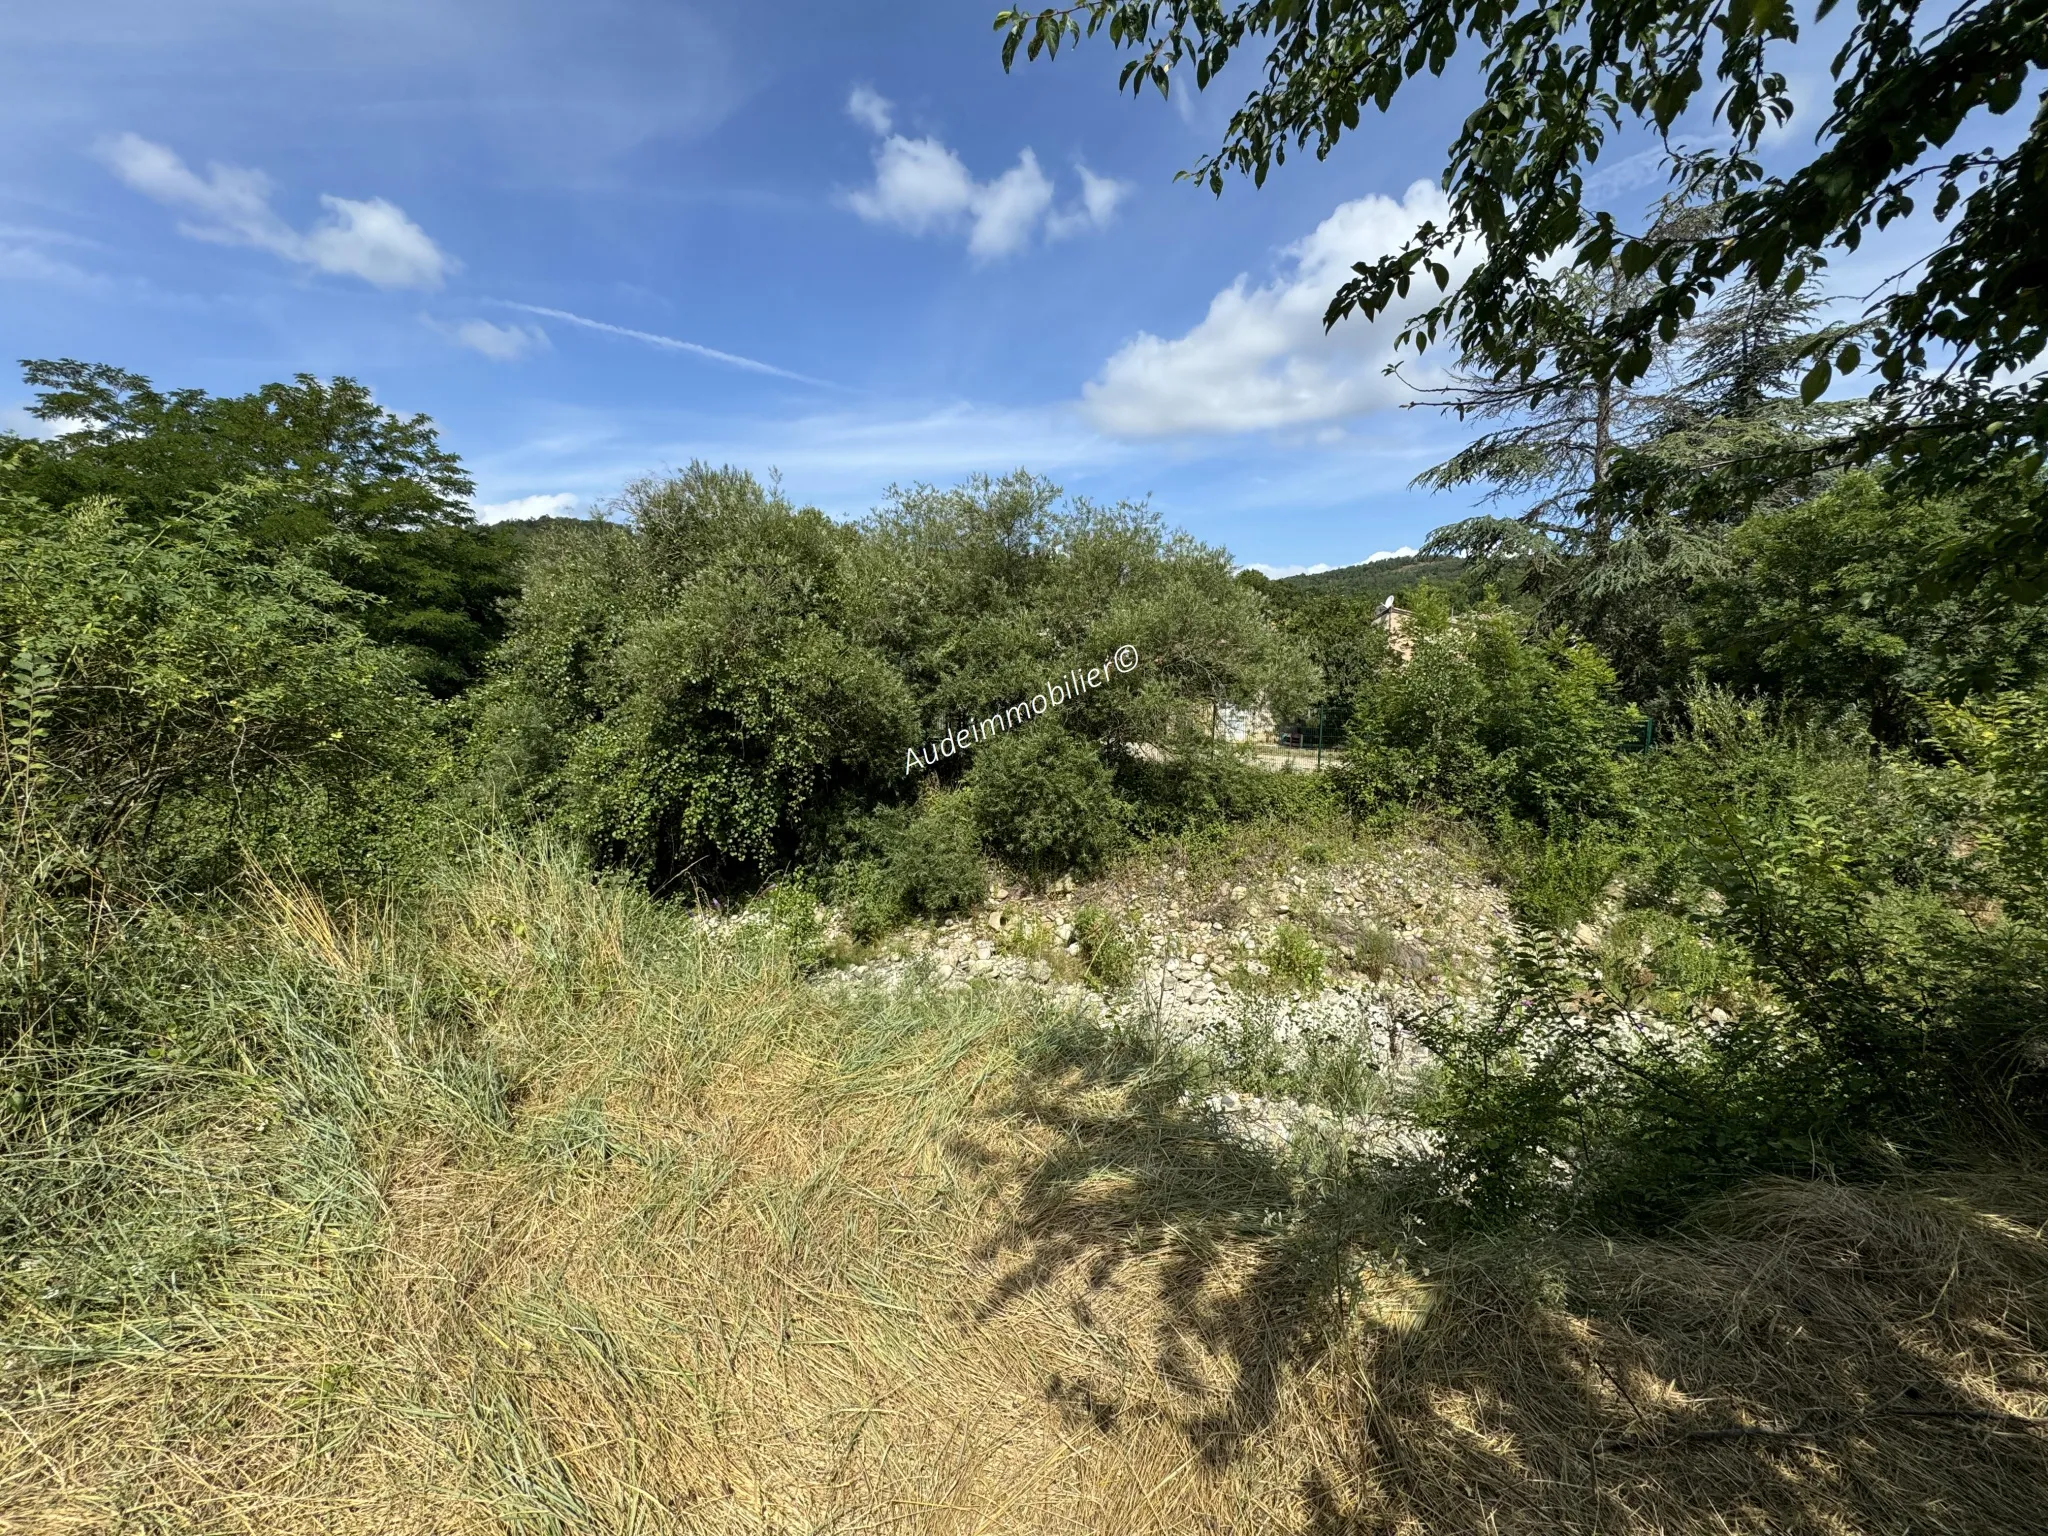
{"points": [[524, 1205]]}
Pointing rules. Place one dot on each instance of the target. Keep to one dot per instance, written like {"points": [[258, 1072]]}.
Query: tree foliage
{"points": [[174, 705], [366, 495], [1951, 346]]}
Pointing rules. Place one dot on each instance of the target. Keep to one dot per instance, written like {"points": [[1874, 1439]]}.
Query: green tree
{"points": [[369, 496], [1484, 718], [1952, 346], [989, 590], [172, 704], [697, 695], [1824, 603]]}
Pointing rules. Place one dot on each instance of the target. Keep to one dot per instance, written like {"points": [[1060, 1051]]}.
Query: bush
{"points": [[1206, 785], [173, 704], [1293, 960], [934, 861], [1483, 718], [696, 697], [1107, 946], [1868, 998], [922, 862], [1043, 801], [1555, 877]]}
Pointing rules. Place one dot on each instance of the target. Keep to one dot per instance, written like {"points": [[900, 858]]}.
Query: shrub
{"points": [[1483, 718], [1870, 1000], [1107, 946], [174, 704], [1555, 877], [792, 909], [1293, 960], [911, 862], [1043, 801], [934, 860], [694, 698]]}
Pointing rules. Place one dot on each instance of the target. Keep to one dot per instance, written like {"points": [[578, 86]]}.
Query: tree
{"points": [[1951, 347], [1822, 603], [696, 695], [1633, 487], [171, 703], [991, 589], [369, 496]]}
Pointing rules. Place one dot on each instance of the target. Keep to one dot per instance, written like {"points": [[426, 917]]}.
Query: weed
{"points": [[1293, 960], [1108, 947]]}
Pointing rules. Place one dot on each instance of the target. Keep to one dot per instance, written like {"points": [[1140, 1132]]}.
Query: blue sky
{"points": [[594, 242]]}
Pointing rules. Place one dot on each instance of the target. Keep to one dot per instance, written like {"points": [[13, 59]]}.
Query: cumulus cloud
{"points": [[558, 504], [1099, 198], [922, 186], [870, 109], [500, 343], [1007, 209], [230, 205], [1260, 357]]}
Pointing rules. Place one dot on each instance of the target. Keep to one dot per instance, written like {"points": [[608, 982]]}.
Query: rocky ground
{"points": [[1267, 960]]}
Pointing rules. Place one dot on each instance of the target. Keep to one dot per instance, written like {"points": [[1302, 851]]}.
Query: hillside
{"points": [[1374, 579]]}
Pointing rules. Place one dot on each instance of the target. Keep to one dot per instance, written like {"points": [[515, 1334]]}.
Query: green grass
{"points": [[525, 1204]]}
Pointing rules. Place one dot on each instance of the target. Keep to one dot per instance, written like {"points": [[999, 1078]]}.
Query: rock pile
{"points": [[1391, 932]]}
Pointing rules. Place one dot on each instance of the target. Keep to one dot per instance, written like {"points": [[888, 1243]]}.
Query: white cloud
{"points": [[500, 343], [16, 420], [556, 505], [1260, 358], [371, 239], [1099, 198], [868, 108], [1279, 572], [21, 262], [922, 186], [1008, 208]]}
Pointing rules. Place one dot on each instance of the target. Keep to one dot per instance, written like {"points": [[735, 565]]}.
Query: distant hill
{"points": [[527, 529], [1375, 579]]}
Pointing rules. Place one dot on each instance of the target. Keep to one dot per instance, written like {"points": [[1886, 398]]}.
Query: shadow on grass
{"points": [[1249, 1262], [1808, 1357]]}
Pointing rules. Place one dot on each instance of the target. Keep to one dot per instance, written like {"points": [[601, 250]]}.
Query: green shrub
{"points": [[934, 860], [695, 697], [1044, 802], [174, 703], [1869, 1001], [1204, 785], [791, 907], [911, 862], [1107, 945], [1555, 877], [1483, 718], [1293, 960], [869, 900]]}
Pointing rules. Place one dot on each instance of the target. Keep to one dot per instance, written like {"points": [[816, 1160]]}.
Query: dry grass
{"points": [[546, 1217]]}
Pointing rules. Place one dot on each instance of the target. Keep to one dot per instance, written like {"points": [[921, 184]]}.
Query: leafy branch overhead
{"points": [[1949, 347]]}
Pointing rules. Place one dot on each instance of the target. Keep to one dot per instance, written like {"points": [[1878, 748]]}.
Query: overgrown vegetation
{"points": [[366, 1072]]}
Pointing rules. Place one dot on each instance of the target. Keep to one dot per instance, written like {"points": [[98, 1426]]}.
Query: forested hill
{"points": [[1377, 578]]}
